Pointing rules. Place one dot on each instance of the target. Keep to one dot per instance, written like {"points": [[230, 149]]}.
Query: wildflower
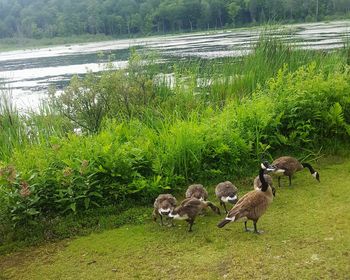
{"points": [[56, 147], [67, 172], [25, 191], [84, 165], [12, 173]]}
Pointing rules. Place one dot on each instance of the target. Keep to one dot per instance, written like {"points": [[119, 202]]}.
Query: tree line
{"points": [[52, 18]]}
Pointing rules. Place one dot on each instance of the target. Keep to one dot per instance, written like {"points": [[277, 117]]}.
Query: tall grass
{"points": [[12, 130], [19, 130]]}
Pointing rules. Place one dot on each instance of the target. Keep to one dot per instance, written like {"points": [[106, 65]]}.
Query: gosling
{"points": [[190, 208], [163, 205], [287, 166], [226, 192], [197, 191], [253, 204]]}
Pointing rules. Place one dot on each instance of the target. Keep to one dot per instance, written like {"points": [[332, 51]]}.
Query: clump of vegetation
{"points": [[142, 137]]}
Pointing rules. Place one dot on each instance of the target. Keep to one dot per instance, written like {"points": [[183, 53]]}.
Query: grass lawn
{"points": [[306, 236]]}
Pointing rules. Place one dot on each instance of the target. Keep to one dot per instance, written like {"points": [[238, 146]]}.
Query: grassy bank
{"points": [[306, 235], [141, 136]]}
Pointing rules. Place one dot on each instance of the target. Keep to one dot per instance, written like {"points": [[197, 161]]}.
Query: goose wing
{"points": [[190, 206], [290, 164], [251, 205]]}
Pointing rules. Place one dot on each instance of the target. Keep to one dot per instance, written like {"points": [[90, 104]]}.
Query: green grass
{"points": [[306, 236]]}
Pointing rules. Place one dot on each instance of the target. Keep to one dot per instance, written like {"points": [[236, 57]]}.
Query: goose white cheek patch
{"points": [[228, 198], [161, 210], [314, 174]]}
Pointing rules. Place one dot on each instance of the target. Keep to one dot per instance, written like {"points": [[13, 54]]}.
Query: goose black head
{"points": [[268, 167]]}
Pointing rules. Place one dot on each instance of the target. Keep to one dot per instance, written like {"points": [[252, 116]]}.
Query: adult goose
{"points": [[190, 208], [226, 192], [252, 205], [287, 166]]}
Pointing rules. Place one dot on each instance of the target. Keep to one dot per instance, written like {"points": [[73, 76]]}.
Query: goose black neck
{"points": [[307, 165], [264, 184]]}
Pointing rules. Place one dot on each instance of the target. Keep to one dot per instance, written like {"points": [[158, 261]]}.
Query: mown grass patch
{"points": [[306, 236]]}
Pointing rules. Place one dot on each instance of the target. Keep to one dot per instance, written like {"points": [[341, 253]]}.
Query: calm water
{"points": [[29, 73]]}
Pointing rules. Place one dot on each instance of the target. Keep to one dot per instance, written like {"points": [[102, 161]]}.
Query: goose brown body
{"points": [[252, 205], [287, 166], [226, 192], [197, 191], [163, 205], [290, 165], [190, 208]]}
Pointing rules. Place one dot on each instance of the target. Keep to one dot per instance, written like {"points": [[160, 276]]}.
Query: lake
{"points": [[27, 74]]}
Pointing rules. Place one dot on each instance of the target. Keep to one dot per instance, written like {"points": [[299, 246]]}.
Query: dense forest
{"points": [[52, 18]]}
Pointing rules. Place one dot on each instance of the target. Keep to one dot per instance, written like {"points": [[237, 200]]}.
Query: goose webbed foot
{"points": [[191, 222], [256, 231], [246, 229]]}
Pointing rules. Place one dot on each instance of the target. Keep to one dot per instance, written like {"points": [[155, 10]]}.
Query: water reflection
{"points": [[30, 72]]}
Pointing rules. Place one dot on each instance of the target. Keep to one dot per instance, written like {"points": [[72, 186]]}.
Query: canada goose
{"points": [[268, 179], [226, 192], [190, 208], [288, 166], [197, 191], [163, 205], [253, 204]]}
